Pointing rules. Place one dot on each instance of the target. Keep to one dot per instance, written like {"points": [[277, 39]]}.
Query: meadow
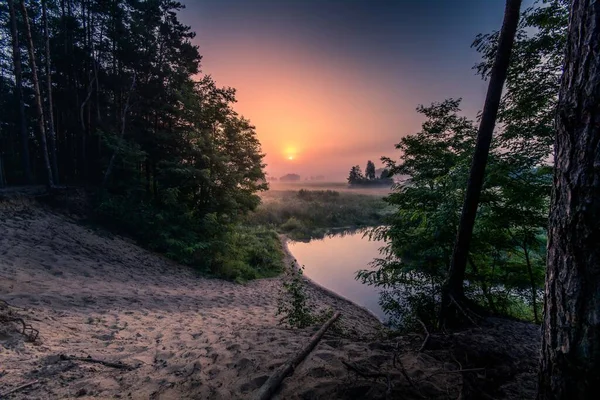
{"points": [[304, 211]]}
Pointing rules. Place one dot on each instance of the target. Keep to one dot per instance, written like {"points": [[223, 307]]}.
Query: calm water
{"points": [[333, 261]]}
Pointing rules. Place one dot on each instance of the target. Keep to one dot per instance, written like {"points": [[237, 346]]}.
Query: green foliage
{"points": [[507, 250], [293, 304], [507, 256], [307, 214], [295, 308], [248, 253]]}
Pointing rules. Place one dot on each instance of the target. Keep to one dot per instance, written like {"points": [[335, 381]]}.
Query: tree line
{"points": [[370, 177], [109, 95]]}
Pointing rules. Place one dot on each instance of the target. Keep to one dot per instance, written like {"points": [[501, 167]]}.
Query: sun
{"points": [[291, 158]]}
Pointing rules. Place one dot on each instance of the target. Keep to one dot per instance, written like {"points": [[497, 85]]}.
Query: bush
{"points": [[211, 244], [308, 214]]}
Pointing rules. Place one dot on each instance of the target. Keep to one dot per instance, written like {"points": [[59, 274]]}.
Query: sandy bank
{"points": [[93, 294]]}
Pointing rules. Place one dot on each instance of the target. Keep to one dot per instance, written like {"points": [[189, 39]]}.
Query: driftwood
{"points": [[269, 388], [14, 390], [118, 365]]}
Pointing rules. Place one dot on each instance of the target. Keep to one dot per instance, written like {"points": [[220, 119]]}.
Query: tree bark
{"points": [[38, 97], [19, 94], [453, 290], [51, 128], [570, 362]]}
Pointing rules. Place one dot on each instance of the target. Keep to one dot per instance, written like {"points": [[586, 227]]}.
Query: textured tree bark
{"points": [[19, 93], [570, 362], [38, 97], [453, 290], [51, 129]]}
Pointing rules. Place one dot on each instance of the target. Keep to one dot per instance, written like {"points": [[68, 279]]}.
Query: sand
{"points": [[92, 294]]}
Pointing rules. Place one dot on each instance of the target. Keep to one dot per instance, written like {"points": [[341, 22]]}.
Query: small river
{"points": [[332, 262]]}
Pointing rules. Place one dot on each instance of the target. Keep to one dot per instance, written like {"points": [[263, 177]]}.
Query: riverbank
{"points": [[90, 293]]}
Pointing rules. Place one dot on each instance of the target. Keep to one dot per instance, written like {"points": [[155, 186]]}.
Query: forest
{"points": [[494, 217], [109, 96]]}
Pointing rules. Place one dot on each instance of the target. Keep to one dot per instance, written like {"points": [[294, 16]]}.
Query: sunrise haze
{"points": [[331, 84]]}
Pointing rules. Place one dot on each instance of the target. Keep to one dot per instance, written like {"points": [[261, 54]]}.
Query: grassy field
{"points": [[341, 187], [306, 213]]}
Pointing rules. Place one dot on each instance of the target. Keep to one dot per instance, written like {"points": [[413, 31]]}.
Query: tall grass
{"points": [[307, 214]]}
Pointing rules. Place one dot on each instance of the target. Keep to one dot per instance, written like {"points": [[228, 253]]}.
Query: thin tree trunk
{"points": [[2, 178], [123, 121], [570, 362], [19, 94], [536, 317], [38, 97], [51, 130], [453, 290]]}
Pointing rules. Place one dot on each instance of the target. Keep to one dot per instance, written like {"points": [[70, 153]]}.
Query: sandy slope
{"points": [[92, 294]]}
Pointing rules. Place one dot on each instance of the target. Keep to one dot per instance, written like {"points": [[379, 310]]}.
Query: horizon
{"points": [[332, 84]]}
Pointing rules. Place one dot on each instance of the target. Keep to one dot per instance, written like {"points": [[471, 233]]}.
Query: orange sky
{"points": [[332, 96]]}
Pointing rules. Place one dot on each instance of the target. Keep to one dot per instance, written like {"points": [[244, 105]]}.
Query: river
{"points": [[332, 262]]}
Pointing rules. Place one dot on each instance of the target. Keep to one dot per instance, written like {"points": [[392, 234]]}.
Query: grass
{"points": [[250, 252], [308, 214]]}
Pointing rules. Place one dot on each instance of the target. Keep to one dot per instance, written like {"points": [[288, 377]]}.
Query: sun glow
{"points": [[290, 158]]}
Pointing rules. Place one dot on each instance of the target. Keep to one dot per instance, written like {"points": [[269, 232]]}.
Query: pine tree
{"points": [[570, 362]]}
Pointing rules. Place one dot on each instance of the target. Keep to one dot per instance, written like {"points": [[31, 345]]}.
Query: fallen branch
{"points": [[363, 372], [451, 372], [272, 384], [14, 390], [369, 374], [464, 312], [402, 369], [426, 336], [118, 365], [31, 335]]}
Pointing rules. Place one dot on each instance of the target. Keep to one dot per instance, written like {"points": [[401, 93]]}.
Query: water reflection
{"points": [[333, 261]]}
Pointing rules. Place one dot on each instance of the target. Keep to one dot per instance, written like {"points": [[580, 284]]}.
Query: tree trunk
{"points": [[19, 94], [570, 362], [2, 179], [453, 290], [51, 130], [534, 289], [38, 97], [111, 163]]}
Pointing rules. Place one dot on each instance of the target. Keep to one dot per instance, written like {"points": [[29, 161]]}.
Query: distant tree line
{"points": [[290, 178], [356, 176]]}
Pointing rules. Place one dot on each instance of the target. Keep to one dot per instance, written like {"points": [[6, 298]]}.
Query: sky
{"points": [[334, 83]]}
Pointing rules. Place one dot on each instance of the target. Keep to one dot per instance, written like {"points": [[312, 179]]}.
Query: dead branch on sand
{"points": [[30, 333], [118, 365], [357, 369], [269, 388], [14, 390]]}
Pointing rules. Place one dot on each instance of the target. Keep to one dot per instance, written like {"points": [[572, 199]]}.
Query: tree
{"points": [[16, 53], [51, 131], [355, 175], [570, 362], [453, 289], [370, 170], [38, 96]]}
